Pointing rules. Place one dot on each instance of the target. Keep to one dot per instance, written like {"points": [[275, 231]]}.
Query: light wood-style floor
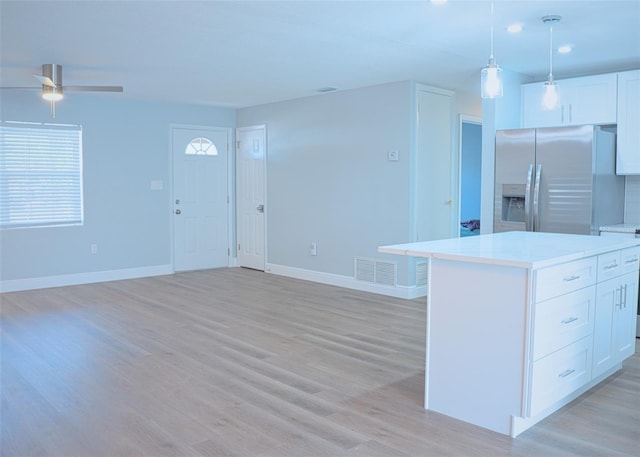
{"points": [[234, 362]]}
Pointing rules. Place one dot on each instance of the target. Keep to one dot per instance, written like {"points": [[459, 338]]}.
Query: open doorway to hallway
{"points": [[470, 174]]}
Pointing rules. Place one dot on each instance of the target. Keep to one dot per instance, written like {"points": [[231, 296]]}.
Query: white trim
{"points": [[407, 292], [15, 285]]}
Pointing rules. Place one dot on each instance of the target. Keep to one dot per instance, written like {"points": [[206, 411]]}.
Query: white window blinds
{"points": [[40, 175]]}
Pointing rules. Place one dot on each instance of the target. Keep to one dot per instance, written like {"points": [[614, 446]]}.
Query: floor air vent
{"points": [[375, 271]]}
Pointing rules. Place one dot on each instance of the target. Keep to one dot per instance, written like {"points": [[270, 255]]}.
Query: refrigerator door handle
{"points": [[527, 197], [536, 199]]}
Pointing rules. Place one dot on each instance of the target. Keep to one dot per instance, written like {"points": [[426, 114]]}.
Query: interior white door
{"points": [[436, 212], [200, 198], [250, 196]]}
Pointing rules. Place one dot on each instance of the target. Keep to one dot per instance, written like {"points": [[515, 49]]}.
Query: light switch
{"points": [[393, 156], [157, 185]]}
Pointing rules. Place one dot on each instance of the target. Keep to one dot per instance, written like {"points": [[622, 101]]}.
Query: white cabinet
{"points": [[559, 374], [563, 318], [628, 141], [521, 323], [564, 278], [584, 100], [616, 301]]}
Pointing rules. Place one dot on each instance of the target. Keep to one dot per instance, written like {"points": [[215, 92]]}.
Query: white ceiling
{"points": [[243, 53]]}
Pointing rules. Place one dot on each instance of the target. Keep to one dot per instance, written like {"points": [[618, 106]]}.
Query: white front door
{"points": [[250, 195], [200, 198]]}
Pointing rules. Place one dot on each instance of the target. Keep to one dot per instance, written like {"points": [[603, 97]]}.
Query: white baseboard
{"points": [[408, 292], [15, 285]]}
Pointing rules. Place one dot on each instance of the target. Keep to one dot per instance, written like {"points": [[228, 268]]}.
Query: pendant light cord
{"points": [[491, 56], [551, 53]]}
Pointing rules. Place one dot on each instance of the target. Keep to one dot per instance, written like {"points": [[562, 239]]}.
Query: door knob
{"points": [[260, 208], [178, 211]]}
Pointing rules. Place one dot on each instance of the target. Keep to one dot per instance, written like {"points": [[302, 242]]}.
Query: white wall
{"points": [[125, 146], [329, 180], [632, 200]]}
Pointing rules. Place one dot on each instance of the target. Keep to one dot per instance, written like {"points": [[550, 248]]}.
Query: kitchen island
{"points": [[521, 323]]}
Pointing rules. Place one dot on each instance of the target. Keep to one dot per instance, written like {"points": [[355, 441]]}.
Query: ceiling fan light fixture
{"points": [[52, 82], [52, 94], [490, 77]]}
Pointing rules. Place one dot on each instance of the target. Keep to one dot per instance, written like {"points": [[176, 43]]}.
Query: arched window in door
{"points": [[201, 147]]}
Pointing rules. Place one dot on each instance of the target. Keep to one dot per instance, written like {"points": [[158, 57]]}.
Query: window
{"points": [[201, 147], [40, 175]]}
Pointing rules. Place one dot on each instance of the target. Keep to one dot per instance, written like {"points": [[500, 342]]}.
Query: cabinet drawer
{"points": [[630, 259], [562, 279], [560, 373], [609, 265], [563, 320]]}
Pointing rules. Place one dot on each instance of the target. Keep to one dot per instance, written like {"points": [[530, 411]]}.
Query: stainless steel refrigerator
{"points": [[557, 179]]}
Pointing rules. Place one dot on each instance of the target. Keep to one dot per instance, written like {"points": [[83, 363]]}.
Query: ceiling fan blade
{"points": [[45, 80], [93, 88]]}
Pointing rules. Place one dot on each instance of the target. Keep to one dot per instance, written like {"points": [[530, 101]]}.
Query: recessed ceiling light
{"points": [[439, 2], [565, 49], [515, 27]]}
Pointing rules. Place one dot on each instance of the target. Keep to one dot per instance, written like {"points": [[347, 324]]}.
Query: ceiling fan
{"points": [[52, 88]]}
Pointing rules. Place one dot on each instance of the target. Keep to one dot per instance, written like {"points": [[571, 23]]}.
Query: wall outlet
{"points": [[314, 249], [392, 156], [94, 248]]}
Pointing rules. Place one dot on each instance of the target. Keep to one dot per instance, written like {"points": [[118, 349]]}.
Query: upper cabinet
{"points": [[628, 149], [584, 100]]}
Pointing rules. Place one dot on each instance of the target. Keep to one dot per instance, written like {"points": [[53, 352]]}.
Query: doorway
{"points": [[470, 175], [200, 197]]}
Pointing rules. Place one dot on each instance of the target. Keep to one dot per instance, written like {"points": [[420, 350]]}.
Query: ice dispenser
{"points": [[513, 203]]}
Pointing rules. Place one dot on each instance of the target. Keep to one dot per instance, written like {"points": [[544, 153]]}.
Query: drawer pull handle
{"points": [[571, 278], [566, 373], [611, 266], [634, 260], [569, 320]]}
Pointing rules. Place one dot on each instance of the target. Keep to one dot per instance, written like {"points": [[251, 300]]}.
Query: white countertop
{"points": [[621, 228], [519, 249]]}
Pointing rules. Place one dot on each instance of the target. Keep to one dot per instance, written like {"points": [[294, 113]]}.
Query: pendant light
{"points": [[551, 97], [490, 77]]}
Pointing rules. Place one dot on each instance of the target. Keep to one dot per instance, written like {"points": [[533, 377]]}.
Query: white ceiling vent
{"points": [[375, 271]]}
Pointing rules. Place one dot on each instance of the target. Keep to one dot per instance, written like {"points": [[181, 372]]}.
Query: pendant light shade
{"points": [[491, 80], [491, 75], [551, 96]]}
